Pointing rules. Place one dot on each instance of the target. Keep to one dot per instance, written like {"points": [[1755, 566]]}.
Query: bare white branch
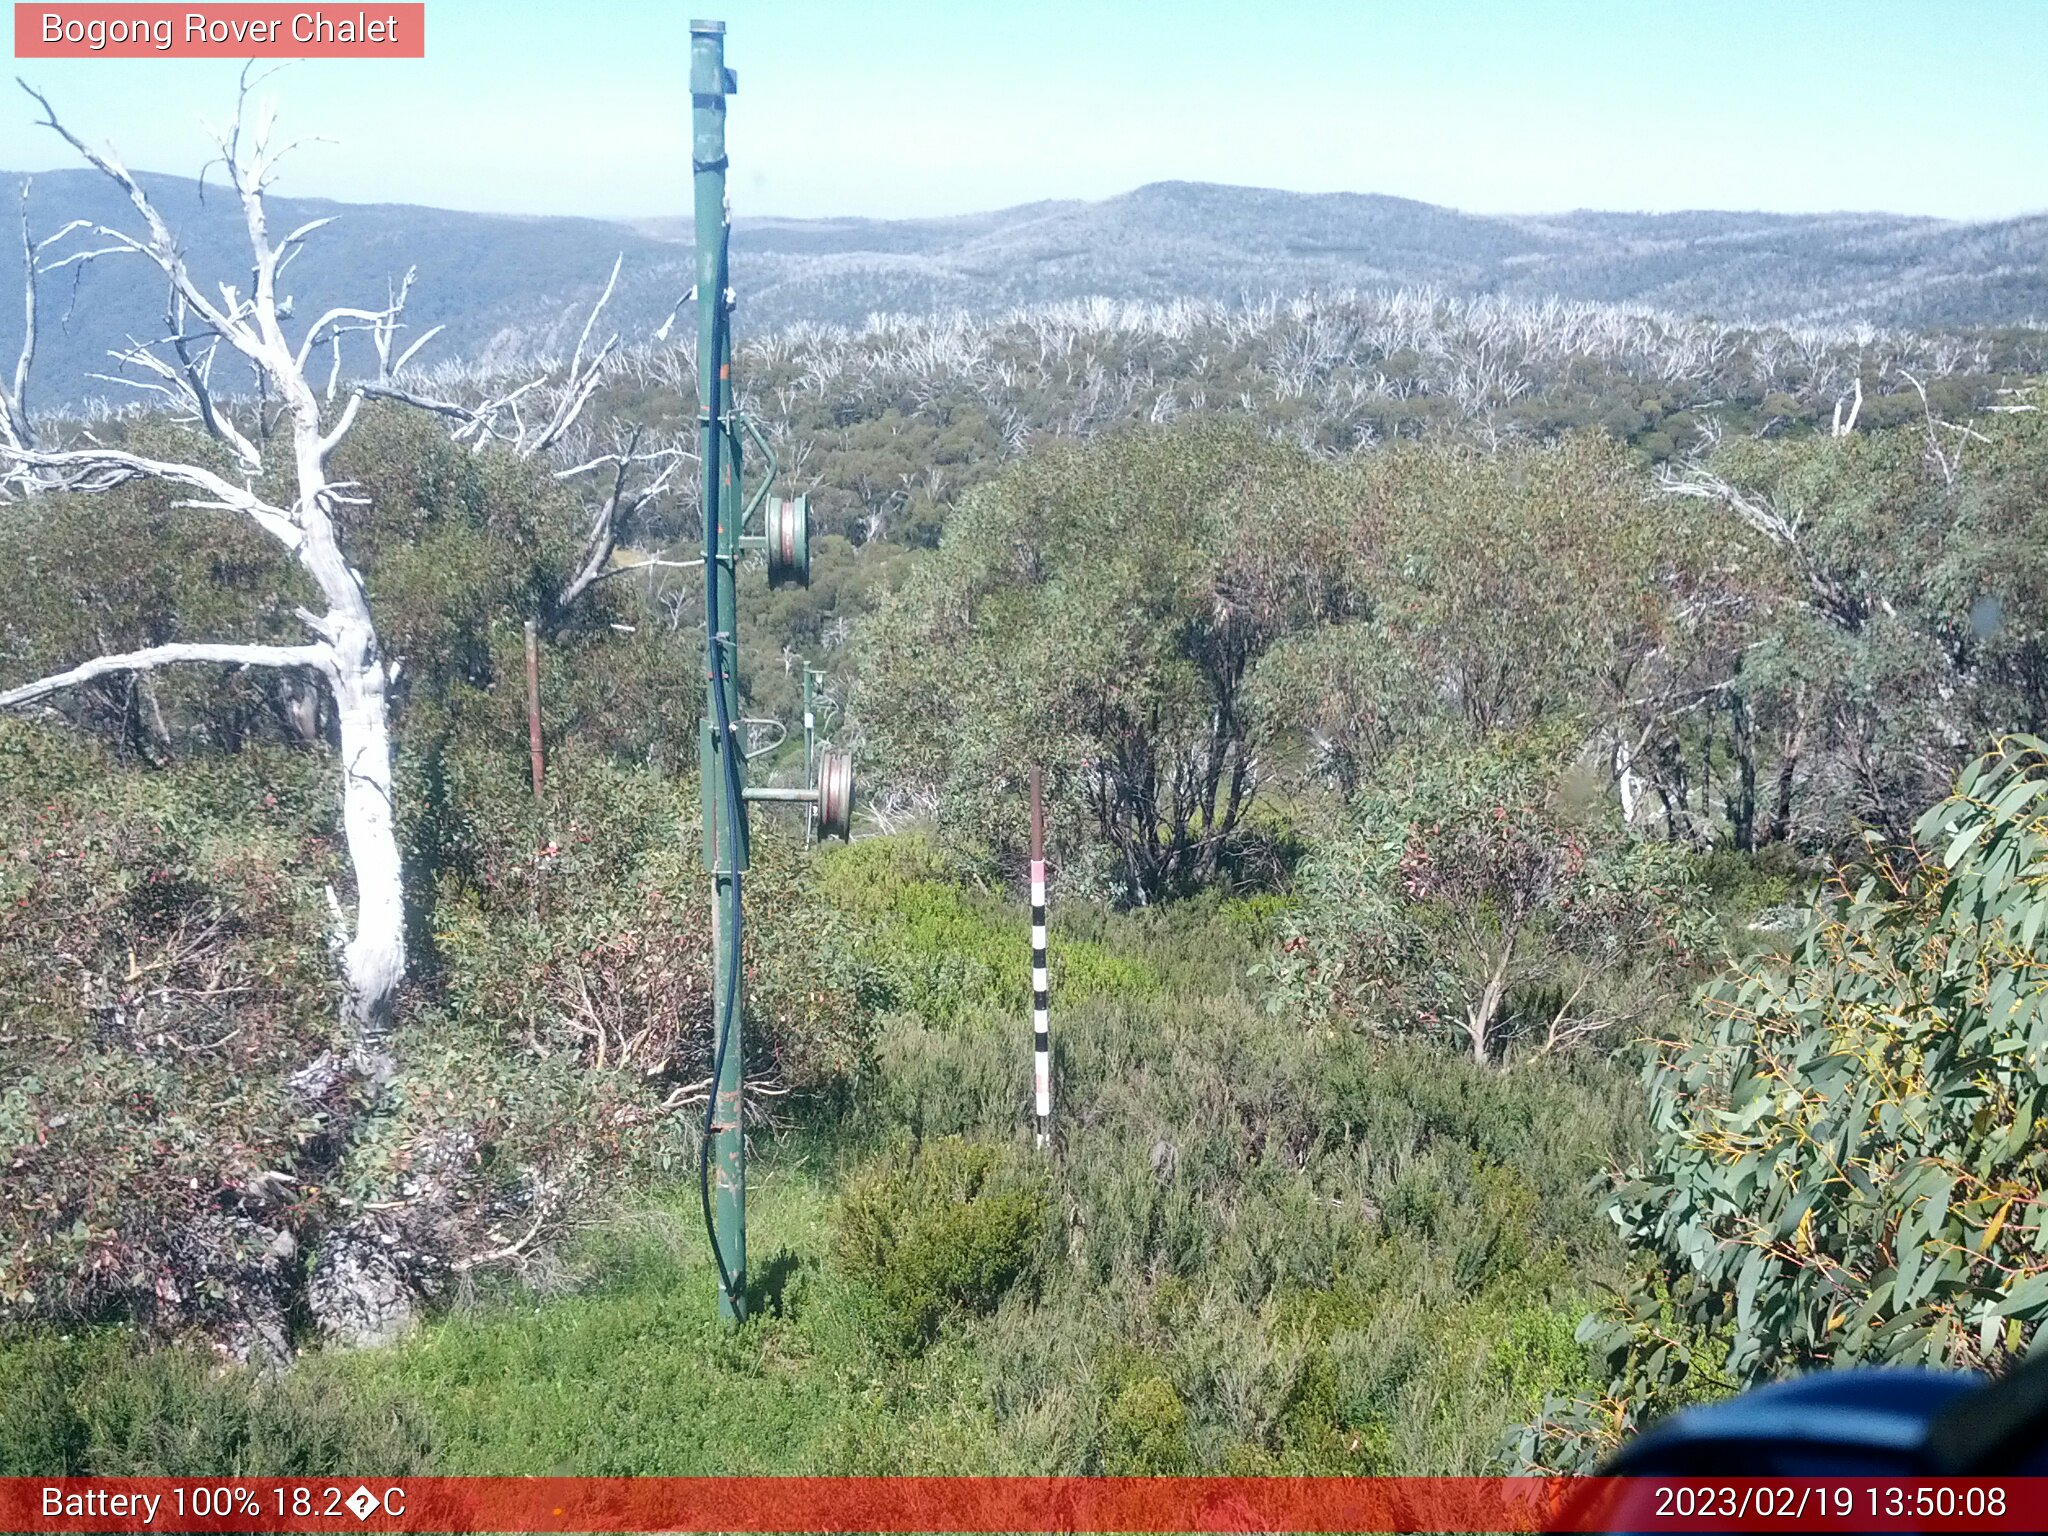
{"points": [[92, 470], [619, 506], [318, 657]]}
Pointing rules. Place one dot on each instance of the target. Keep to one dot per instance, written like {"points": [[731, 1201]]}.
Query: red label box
{"points": [[1161, 1505], [243, 31]]}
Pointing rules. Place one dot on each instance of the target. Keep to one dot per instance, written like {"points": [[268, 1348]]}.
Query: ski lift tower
{"points": [[722, 743]]}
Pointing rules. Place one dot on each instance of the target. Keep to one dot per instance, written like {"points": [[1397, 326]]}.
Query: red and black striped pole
{"points": [[1041, 1009]]}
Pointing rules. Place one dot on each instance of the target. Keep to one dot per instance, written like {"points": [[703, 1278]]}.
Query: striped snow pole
{"points": [[1041, 1009]]}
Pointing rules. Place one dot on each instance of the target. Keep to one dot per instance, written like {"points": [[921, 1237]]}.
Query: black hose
{"points": [[733, 809], [735, 806]]}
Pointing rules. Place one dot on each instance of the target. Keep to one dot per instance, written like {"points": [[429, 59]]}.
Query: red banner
{"points": [[978, 1504], [100, 31]]}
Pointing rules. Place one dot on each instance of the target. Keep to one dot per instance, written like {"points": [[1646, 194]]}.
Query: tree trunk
{"points": [[1788, 769], [296, 701], [1674, 791], [1626, 781], [1706, 815], [375, 958], [1479, 1015], [1741, 800], [355, 1289]]}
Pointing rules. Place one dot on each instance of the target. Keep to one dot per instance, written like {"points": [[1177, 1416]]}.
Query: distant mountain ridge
{"points": [[505, 286], [1199, 240]]}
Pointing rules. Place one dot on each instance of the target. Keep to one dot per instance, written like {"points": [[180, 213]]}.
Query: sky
{"points": [[897, 108]]}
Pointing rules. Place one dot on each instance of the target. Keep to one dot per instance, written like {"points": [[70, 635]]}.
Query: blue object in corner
{"points": [[1830, 1424]]}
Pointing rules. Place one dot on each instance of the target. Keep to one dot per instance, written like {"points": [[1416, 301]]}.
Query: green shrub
{"points": [[1847, 1166], [41, 1434], [946, 1227], [1254, 916], [1741, 887], [571, 1005], [163, 971], [929, 946], [1145, 1431], [1489, 898], [103, 1404]]}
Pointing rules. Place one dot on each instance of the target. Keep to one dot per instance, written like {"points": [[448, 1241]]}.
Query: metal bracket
{"points": [[768, 475], [763, 720]]}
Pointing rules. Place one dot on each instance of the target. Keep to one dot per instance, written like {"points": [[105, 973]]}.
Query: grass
{"points": [[1266, 1249], [635, 1375]]}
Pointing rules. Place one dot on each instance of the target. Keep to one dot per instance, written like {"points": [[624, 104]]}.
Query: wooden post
{"points": [[1041, 1010], [533, 701]]}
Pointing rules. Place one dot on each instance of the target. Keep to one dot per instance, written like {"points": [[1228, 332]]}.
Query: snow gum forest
{"points": [[1547, 806]]}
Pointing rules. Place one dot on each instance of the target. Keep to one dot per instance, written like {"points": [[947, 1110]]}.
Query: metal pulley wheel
{"points": [[789, 541], [835, 795]]}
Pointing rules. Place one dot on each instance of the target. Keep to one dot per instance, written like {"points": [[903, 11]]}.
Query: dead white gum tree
{"points": [[342, 649], [281, 432], [206, 324]]}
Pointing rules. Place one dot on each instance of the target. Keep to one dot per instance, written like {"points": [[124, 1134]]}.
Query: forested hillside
{"points": [[1519, 771], [1193, 240], [1172, 241]]}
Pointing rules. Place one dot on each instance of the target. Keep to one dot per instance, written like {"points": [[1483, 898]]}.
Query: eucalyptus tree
{"points": [[1847, 1166], [1894, 617], [1488, 896], [1536, 588], [1099, 608]]}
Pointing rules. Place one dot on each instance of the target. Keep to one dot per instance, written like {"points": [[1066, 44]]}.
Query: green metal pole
{"points": [[810, 751], [720, 761]]}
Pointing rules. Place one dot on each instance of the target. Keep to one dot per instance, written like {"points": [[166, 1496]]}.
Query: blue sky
{"points": [[901, 107]]}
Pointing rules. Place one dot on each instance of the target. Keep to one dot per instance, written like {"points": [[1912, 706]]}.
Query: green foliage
{"points": [[631, 1374], [84, 575], [846, 582], [1098, 609], [1896, 625], [1490, 897], [1846, 1166], [457, 550], [1335, 1254], [1261, 1244], [569, 915], [163, 971], [1315, 1335], [571, 1006], [167, 942], [1498, 592], [1145, 1431], [1517, 578], [1263, 1216], [942, 1227], [456, 547], [923, 943], [91, 1404]]}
